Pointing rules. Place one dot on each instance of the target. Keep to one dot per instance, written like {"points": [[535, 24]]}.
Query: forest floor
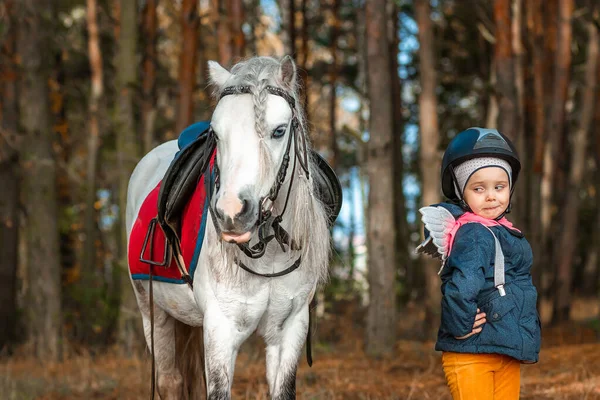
{"points": [[569, 367]]}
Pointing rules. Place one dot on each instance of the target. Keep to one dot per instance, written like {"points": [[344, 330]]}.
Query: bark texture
{"points": [[9, 181], [187, 63], [429, 156], [128, 151], [149, 27], [381, 235], [569, 231], [97, 89], [38, 161]]}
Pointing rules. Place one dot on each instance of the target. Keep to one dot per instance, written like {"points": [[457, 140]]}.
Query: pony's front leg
{"points": [[283, 352], [221, 343]]}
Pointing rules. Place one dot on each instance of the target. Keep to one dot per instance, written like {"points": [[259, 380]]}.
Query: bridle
{"points": [[266, 219]]}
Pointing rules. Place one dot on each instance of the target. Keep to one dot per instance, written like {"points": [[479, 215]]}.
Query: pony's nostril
{"points": [[245, 207]]}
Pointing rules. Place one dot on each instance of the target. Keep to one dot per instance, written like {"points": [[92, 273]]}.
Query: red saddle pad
{"points": [[193, 226]]}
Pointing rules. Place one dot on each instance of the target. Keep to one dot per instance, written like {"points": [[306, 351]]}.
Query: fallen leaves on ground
{"points": [[569, 368]]}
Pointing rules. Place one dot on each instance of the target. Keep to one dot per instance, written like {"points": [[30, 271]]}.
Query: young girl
{"points": [[490, 324]]}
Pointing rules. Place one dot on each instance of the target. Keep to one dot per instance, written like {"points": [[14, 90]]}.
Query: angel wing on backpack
{"points": [[439, 223]]}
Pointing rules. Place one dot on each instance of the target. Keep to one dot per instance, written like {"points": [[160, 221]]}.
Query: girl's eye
{"points": [[279, 132], [499, 187], [478, 190]]}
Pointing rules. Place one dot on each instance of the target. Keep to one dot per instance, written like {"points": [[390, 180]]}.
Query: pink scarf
{"points": [[470, 217]]}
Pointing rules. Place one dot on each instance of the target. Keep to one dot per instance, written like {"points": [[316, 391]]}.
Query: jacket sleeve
{"points": [[472, 252]]}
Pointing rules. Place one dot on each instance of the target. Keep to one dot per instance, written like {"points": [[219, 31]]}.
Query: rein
{"points": [[266, 219]]}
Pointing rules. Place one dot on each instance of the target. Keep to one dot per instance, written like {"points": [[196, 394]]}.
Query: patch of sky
{"points": [[410, 183], [408, 45], [350, 102], [366, 136], [465, 102], [351, 216], [436, 15], [411, 143], [246, 28], [108, 212], [271, 10], [412, 190]]}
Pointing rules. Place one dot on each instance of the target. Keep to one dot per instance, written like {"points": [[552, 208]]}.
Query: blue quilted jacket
{"points": [[513, 324]]}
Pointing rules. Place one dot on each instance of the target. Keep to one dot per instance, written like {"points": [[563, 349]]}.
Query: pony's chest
{"points": [[275, 300]]}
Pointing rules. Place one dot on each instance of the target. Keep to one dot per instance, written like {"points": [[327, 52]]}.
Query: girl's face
{"points": [[487, 192]]}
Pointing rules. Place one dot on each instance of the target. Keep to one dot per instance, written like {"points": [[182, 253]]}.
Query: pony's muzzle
{"points": [[236, 218]]}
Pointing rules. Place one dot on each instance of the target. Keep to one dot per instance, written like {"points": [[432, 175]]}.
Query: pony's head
{"points": [[252, 124]]}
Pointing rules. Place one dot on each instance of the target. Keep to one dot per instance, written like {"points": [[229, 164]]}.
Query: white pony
{"points": [[256, 118]]}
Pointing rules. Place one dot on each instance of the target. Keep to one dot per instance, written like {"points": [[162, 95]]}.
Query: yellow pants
{"points": [[482, 376]]}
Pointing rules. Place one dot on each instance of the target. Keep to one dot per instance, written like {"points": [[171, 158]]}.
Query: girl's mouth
{"points": [[491, 208]]}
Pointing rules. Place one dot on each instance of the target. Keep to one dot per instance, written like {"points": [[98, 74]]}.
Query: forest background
{"points": [[89, 86]]}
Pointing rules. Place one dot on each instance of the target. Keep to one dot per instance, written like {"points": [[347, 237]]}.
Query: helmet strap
{"points": [[509, 208], [507, 211], [461, 200]]}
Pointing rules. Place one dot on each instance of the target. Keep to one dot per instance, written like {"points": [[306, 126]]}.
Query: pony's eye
{"points": [[279, 132]]}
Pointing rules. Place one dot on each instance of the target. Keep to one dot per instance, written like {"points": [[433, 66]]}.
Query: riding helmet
{"points": [[474, 143]]}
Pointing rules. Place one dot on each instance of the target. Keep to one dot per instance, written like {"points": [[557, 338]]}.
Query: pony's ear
{"points": [[287, 72], [218, 75]]}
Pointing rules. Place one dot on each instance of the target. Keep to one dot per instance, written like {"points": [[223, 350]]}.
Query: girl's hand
{"points": [[479, 320]]}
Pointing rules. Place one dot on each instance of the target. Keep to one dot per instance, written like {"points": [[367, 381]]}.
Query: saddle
{"points": [[328, 187], [182, 176], [178, 186]]}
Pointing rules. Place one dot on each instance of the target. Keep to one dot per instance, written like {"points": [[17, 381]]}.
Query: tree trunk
{"points": [[558, 98], [520, 196], [292, 27], [237, 20], [507, 81], [89, 271], [429, 150], [491, 119], [128, 155], [333, 76], [569, 231], [403, 260], [536, 35], [596, 242], [252, 11], [223, 30], [381, 235], [9, 181], [149, 28], [561, 79], [43, 314], [187, 62], [549, 10], [596, 157], [97, 88], [505, 74], [303, 71], [287, 32]]}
